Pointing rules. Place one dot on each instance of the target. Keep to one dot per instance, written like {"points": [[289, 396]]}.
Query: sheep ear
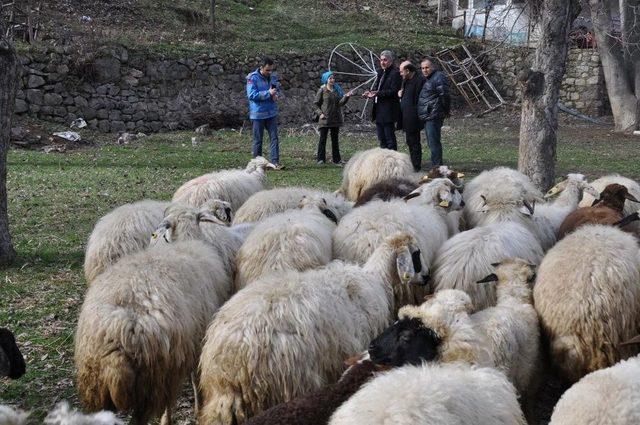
{"points": [[425, 179], [595, 201], [630, 197], [495, 264], [491, 278], [411, 195], [270, 166], [207, 217], [484, 199], [330, 215], [459, 175], [553, 191], [628, 219], [404, 266], [229, 217], [527, 208]]}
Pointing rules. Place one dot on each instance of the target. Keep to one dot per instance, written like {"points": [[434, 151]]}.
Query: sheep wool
{"points": [[141, 325], [62, 414], [442, 394], [606, 396], [12, 416], [287, 334], [234, 186], [121, 232], [372, 166], [467, 257], [587, 296]]}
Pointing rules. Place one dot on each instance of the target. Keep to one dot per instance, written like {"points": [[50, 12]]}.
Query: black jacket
{"points": [[409, 103], [386, 107], [434, 102]]}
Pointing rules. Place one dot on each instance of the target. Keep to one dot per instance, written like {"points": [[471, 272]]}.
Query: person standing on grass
{"points": [[329, 100], [433, 106], [412, 83], [386, 105], [263, 92]]}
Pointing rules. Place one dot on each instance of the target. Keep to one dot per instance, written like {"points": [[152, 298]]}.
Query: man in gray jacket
{"points": [[434, 105]]}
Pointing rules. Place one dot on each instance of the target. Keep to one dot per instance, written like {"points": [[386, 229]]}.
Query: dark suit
{"points": [[386, 107], [411, 123]]}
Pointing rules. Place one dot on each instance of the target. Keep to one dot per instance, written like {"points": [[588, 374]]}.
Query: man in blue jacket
{"points": [[434, 105], [263, 90]]}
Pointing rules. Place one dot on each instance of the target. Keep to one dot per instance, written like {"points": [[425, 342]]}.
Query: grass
{"points": [[55, 199]]}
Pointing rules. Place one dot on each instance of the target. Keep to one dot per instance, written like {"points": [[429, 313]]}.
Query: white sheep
{"points": [[62, 414], [287, 334], [372, 166], [503, 180], [445, 194], [141, 326], [297, 239], [441, 394], [588, 298], [121, 232], [234, 186], [629, 207], [606, 396], [12, 416], [467, 257], [268, 202], [366, 227]]}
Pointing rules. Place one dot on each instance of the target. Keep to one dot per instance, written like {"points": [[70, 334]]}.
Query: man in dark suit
{"points": [[386, 105], [412, 82]]}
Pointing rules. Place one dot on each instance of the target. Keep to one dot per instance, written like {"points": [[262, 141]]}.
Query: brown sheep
{"points": [[607, 210]]}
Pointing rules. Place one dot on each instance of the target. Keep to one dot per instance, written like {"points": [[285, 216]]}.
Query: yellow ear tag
{"points": [[154, 235], [444, 204]]}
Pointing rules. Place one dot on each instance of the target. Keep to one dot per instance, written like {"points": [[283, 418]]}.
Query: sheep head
{"points": [[182, 222], [220, 209], [259, 163], [628, 219], [11, 360], [614, 196], [444, 171], [515, 278], [320, 204], [440, 192], [576, 180], [507, 199]]}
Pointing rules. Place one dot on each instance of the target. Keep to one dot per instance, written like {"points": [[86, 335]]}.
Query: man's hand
{"points": [[369, 94], [321, 116], [349, 93], [400, 93], [274, 93]]}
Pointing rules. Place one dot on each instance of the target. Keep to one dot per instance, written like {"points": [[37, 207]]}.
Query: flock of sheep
{"points": [[438, 297]]}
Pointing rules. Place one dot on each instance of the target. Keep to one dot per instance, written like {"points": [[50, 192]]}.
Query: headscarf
{"points": [[336, 86]]}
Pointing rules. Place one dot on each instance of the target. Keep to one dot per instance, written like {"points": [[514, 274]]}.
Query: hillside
{"points": [[244, 26]]}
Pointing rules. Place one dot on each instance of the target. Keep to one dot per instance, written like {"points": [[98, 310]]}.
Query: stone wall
{"points": [[583, 87], [116, 90]]}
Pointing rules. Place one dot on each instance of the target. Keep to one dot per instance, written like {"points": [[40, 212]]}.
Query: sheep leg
{"points": [[197, 397]]}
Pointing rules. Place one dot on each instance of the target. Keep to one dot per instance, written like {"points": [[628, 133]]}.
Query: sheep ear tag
{"points": [[553, 191], [444, 203], [404, 265]]}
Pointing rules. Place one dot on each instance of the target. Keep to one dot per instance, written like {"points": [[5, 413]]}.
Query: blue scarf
{"points": [[336, 86]]}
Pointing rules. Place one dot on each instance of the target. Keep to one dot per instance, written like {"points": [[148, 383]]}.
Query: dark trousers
{"points": [[432, 129], [322, 143], [387, 135], [415, 149], [271, 124]]}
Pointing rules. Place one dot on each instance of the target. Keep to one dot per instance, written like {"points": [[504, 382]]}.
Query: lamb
{"points": [[632, 186], [372, 166], [387, 190], [266, 203], [293, 240], [467, 257], [286, 334], [588, 298], [442, 394], [141, 326], [317, 407], [121, 232], [11, 361], [606, 396], [234, 186], [608, 209], [497, 179]]}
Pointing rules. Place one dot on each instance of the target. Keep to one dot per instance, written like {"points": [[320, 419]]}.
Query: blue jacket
{"points": [[261, 105]]}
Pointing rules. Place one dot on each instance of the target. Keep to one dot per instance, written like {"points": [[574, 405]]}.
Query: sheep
{"points": [[62, 414], [632, 186], [497, 179], [11, 361], [588, 298], [317, 407], [434, 192], [293, 240], [12, 416], [269, 202], [234, 186], [387, 190], [141, 325], [372, 166], [608, 209], [445, 172], [286, 334], [467, 257], [442, 394], [121, 232], [606, 396], [361, 231]]}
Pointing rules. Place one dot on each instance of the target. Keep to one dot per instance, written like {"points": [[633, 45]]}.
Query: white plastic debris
{"points": [[78, 123], [71, 136], [636, 133], [85, 19]]}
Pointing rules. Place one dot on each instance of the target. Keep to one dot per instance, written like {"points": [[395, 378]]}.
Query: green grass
{"points": [[55, 199]]}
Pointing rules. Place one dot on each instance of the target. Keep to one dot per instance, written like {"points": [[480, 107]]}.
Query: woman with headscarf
{"points": [[329, 101]]}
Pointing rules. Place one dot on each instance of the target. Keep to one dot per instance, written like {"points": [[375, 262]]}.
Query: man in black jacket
{"points": [[412, 83], [433, 106], [386, 105]]}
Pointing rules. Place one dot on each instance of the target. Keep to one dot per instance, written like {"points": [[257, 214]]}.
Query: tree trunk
{"points": [[541, 87], [619, 58], [8, 83], [212, 15]]}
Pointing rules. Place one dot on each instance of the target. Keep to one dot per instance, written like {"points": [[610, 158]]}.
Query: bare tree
{"points": [[620, 56], [212, 15], [541, 87], [8, 83]]}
